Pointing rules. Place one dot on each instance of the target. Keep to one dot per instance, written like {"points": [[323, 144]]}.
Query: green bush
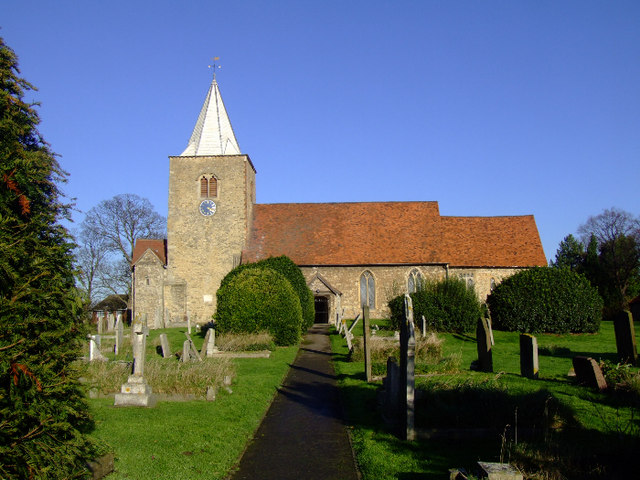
{"points": [[447, 305], [542, 299], [259, 299], [285, 266]]}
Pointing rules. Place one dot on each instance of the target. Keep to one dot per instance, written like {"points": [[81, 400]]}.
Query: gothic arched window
{"points": [[367, 289], [213, 187], [204, 187], [414, 282]]}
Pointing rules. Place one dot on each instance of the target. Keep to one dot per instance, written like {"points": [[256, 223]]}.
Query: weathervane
{"points": [[214, 66]]}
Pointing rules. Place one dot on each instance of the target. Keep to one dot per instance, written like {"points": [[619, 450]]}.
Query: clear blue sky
{"points": [[488, 107]]}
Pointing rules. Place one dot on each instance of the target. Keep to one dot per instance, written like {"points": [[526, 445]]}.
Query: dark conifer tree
{"points": [[43, 414]]}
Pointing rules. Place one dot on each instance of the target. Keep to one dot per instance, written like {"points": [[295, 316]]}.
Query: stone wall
{"points": [[148, 288], [391, 281]]}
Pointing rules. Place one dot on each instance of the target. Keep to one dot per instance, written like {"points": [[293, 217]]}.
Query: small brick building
{"points": [[350, 253]]}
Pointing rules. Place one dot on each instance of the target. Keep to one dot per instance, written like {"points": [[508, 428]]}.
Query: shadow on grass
{"points": [[551, 439]]}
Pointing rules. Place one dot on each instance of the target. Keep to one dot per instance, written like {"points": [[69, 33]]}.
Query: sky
{"points": [[490, 108]]}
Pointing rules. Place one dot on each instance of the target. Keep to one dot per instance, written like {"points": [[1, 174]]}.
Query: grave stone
{"points": [[424, 326], [391, 385], [94, 349], [186, 351], [119, 334], [211, 394], [407, 372], [110, 322], [164, 345], [499, 471], [588, 372], [211, 348], [528, 356], [366, 342], [136, 392], [100, 326], [483, 339], [625, 338]]}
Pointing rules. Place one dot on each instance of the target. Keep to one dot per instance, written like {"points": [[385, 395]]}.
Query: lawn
{"points": [[568, 430], [196, 439]]}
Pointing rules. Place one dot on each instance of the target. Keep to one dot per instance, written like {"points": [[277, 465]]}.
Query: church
{"points": [[351, 254]]}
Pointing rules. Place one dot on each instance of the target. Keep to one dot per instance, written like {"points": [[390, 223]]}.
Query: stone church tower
{"points": [[211, 200]]}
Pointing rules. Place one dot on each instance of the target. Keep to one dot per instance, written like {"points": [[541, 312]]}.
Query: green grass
{"points": [[191, 439], [579, 433]]}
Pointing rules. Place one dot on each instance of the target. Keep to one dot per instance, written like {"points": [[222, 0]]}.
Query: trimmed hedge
{"points": [[543, 299], [447, 305], [259, 299], [286, 267]]}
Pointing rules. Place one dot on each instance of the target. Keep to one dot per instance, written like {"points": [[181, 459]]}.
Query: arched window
{"points": [[367, 289], [414, 282], [208, 187], [213, 187], [204, 187]]}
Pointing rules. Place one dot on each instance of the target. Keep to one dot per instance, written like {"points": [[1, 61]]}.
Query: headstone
{"points": [[347, 336], [186, 351], [588, 372], [625, 338], [529, 356], [94, 349], [499, 471], [100, 326], [211, 394], [424, 326], [483, 339], [164, 345], [490, 330], [407, 372], [366, 343], [391, 385], [119, 334], [110, 322], [136, 392], [209, 346]]}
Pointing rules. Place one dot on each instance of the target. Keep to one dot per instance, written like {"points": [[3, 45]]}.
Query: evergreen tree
{"points": [[43, 415], [570, 254]]}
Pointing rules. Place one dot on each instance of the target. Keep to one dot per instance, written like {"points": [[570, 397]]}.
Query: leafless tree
{"points": [[609, 226], [106, 240]]}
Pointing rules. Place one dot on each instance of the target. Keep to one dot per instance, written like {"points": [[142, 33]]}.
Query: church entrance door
{"points": [[322, 309]]}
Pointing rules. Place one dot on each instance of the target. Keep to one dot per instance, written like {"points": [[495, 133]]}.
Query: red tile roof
{"points": [[157, 246], [389, 233]]}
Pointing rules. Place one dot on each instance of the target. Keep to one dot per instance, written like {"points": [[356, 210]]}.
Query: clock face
{"points": [[208, 208]]}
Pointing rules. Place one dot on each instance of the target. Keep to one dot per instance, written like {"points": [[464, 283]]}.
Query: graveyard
{"points": [[549, 427], [534, 415]]}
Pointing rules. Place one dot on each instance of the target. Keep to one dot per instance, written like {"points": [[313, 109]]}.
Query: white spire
{"points": [[213, 134]]}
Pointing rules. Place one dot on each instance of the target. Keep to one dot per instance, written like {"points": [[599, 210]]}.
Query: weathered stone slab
{"points": [[101, 466], [94, 349], [588, 372], [499, 471], [483, 339], [119, 334], [625, 338], [164, 345], [529, 356]]}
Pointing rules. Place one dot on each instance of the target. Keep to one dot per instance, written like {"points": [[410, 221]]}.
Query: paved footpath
{"points": [[303, 435]]}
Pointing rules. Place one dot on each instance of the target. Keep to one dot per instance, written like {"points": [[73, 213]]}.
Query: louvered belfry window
{"points": [[204, 187], [208, 187], [213, 187]]}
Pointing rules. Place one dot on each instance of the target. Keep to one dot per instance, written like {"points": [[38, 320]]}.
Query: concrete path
{"points": [[302, 435]]}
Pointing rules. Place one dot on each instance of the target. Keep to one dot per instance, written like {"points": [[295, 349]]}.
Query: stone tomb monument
{"points": [[136, 392]]}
